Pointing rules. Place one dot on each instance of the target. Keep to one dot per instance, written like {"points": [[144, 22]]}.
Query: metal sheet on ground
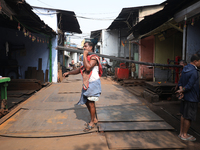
{"points": [[117, 98], [55, 101], [80, 142], [70, 87], [131, 126], [143, 140], [126, 113], [45, 123]]}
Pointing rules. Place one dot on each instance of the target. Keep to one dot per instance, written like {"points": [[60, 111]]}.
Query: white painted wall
{"points": [[48, 16], [109, 44], [54, 60]]}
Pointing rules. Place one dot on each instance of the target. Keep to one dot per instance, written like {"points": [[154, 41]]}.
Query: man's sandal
{"points": [[88, 128], [86, 124], [191, 138]]}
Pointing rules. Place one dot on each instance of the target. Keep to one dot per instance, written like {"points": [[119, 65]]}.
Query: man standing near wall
{"points": [[189, 93]]}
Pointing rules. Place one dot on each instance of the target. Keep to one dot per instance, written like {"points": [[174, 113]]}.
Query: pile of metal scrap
{"points": [[154, 90]]}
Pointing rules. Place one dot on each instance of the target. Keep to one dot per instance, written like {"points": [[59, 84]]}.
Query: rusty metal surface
{"points": [[117, 98], [143, 140], [114, 94], [134, 126], [126, 113], [46, 123], [79, 142], [49, 113]]}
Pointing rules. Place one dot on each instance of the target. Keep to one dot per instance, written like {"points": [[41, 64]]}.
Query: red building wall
{"points": [[146, 54]]}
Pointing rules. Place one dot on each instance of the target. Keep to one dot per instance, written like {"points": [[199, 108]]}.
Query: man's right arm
{"points": [[73, 72]]}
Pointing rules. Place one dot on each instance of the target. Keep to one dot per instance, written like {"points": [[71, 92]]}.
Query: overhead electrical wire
{"points": [[84, 17]]}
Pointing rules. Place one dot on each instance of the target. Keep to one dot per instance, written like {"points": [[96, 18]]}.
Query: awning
{"points": [[67, 21]]}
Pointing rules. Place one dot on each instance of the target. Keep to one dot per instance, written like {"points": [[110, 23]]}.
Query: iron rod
{"points": [[117, 58]]}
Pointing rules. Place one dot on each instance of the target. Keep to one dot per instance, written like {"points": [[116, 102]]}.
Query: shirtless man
{"points": [[90, 63]]}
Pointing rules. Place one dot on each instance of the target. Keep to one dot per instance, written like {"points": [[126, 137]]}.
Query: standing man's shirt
{"points": [[104, 63], [190, 82]]}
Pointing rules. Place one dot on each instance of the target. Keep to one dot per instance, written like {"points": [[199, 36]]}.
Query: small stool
{"points": [[4, 83]]}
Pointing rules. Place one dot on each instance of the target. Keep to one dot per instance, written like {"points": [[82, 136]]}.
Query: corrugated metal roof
{"points": [[127, 17], [22, 13], [154, 21]]}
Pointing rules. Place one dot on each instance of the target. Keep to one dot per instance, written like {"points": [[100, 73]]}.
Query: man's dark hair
{"points": [[90, 44], [195, 57]]}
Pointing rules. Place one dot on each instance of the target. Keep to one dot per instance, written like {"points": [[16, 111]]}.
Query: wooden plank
{"points": [[34, 73], [24, 84], [126, 113], [46, 75], [131, 126], [40, 75], [143, 140], [40, 64], [60, 77]]}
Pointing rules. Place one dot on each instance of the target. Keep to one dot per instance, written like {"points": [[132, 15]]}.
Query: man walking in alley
{"points": [[104, 66], [91, 72], [189, 93]]}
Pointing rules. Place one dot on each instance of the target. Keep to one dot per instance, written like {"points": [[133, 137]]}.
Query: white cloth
{"points": [[95, 74]]}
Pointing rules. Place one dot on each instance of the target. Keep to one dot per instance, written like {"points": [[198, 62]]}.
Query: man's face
{"points": [[198, 64], [87, 47]]}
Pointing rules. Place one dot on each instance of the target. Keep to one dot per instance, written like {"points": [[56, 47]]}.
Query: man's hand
{"points": [[179, 95], [180, 91], [85, 53], [65, 74]]}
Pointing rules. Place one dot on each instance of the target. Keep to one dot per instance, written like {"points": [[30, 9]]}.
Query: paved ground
{"points": [[51, 120]]}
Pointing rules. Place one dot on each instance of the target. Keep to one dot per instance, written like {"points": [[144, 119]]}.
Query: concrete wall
{"points": [[146, 54], [110, 46], [165, 49], [193, 36]]}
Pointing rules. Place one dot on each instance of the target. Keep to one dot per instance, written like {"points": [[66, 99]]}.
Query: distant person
{"points": [[81, 59], [104, 64], [72, 64], [182, 63], [189, 94], [91, 72]]}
